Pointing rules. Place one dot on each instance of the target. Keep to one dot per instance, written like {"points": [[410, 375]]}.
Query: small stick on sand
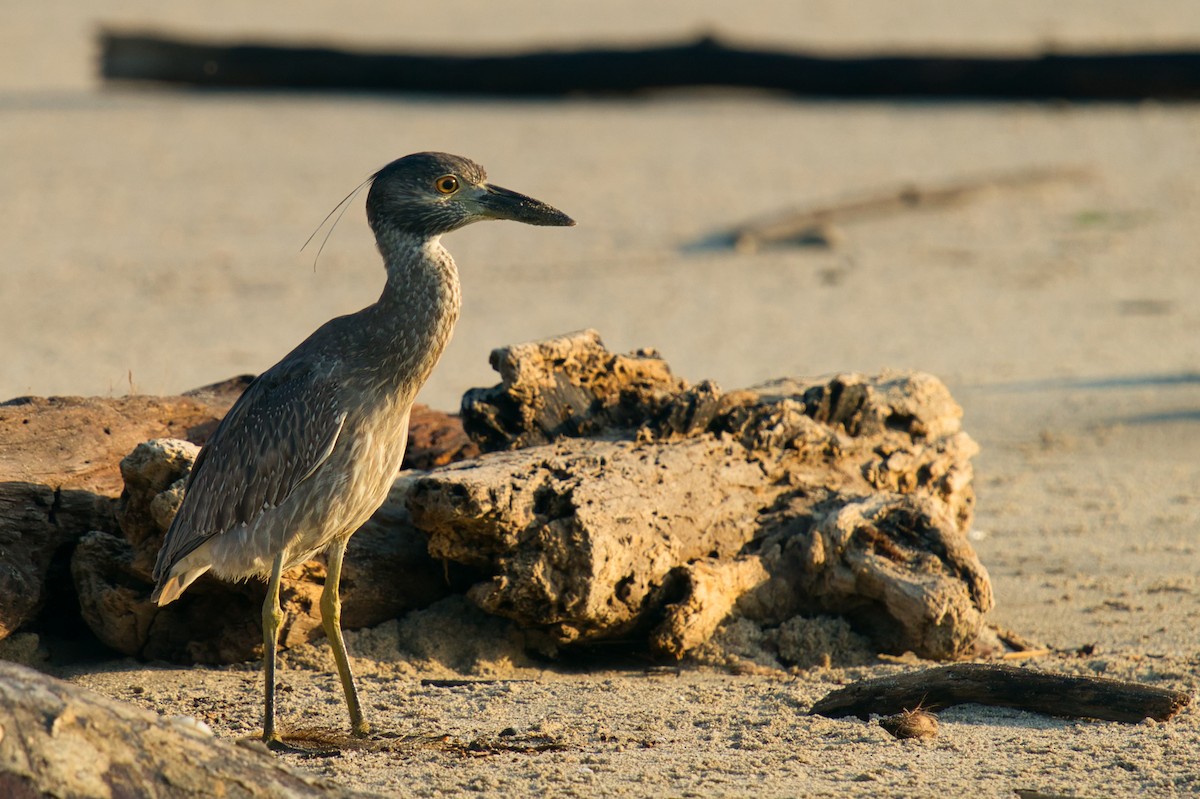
{"points": [[1005, 686], [815, 224]]}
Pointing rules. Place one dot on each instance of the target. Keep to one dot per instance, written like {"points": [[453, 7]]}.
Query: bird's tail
{"points": [[172, 585]]}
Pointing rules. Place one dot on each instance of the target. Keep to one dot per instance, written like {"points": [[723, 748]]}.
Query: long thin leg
{"points": [[272, 617], [331, 619]]}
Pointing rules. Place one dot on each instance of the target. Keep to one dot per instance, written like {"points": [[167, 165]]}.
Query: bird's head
{"points": [[428, 194]]}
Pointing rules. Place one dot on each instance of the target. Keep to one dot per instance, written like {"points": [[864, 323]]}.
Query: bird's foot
{"points": [[277, 744], [361, 730]]}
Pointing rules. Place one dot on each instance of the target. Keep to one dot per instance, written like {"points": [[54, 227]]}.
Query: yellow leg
{"points": [[272, 617], [331, 619]]}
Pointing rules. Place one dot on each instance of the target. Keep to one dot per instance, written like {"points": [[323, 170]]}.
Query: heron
{"points": [[309, 451]]}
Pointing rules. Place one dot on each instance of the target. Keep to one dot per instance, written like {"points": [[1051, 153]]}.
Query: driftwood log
{"points": [[59, 476], [674, 504], [61, 481], [57, 739], [615, 501], [1007, 686], [705, 62], [386, 573]]}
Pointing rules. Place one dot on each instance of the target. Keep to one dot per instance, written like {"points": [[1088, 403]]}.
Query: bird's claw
{"points": [[277, 744]]}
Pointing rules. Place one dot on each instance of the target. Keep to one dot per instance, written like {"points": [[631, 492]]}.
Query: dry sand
{"points": [[151, 242]]}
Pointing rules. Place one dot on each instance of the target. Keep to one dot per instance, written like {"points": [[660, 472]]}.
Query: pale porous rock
{"points": [[567, 528], [155, 474], [659, 507]]}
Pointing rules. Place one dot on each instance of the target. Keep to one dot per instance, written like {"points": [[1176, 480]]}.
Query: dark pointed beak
{"points": [[500, 203]]}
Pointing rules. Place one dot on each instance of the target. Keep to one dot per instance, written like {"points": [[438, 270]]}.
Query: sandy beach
{"points": [[153, 245]]}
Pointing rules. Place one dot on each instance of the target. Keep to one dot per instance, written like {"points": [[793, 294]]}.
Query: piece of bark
{"points": [[387, 572], [853, 494], [566, 386], [59, 475], [1006, 686], [704, 62], [57, 739]]}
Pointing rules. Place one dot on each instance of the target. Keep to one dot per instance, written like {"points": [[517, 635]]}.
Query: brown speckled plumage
{"points": [[311, 448]]}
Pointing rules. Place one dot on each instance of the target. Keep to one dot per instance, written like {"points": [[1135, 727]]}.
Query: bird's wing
{"points": [[274, 437]]}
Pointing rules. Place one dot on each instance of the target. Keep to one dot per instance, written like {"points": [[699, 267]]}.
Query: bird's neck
{"points": [[415, 315]]}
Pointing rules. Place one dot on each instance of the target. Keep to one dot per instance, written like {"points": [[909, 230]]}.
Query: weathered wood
{"points": [[853, 495], [387, 572], [59, 476], [707, 591], [57, 739], [895, 565], [704, 62], [436, 439], [657, 510], [1007, 686], [580, 534], [567, 386]]}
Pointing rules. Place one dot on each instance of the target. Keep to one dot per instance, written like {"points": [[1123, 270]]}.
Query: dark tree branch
{"points": [[705, 62]]}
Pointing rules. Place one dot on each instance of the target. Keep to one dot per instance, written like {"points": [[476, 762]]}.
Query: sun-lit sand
{"points": [[152, 243]]}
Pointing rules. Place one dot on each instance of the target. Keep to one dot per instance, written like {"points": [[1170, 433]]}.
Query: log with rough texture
{"points": [[580, 534], [1006, 686], [895, 565], [57, 739], [59, 474], [60, 478], [852, 495]]}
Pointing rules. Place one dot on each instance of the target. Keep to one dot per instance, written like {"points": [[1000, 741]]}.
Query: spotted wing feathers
{"points": [[276, 435]]}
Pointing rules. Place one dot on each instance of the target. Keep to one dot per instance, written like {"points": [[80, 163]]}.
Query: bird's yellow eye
{"points": [[446, 184]]}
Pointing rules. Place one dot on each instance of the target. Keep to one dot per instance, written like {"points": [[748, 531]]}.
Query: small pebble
{"points": [[192, 723]]}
